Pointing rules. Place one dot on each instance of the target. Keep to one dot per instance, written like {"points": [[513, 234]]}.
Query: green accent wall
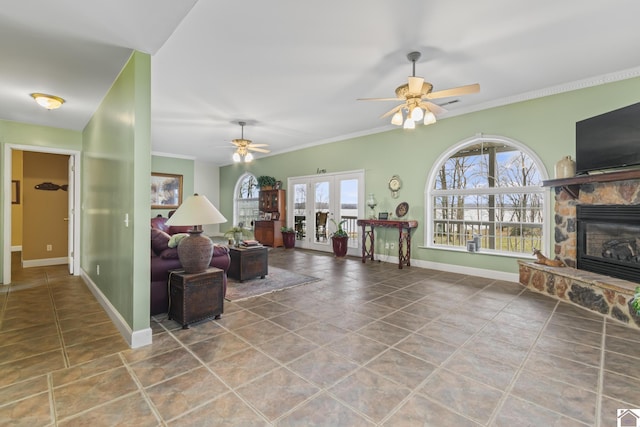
{"points": [[546, 125], [116, 170]]}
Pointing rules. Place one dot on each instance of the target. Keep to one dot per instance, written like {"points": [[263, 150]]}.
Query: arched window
{"points": [[245, 202], [488, 188]]}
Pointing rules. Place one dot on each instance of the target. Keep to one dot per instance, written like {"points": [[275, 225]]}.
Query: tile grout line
{"points": [[203, 364]]}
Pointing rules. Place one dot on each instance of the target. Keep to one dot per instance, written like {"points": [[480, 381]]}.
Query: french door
{"points": [[318, 203]]}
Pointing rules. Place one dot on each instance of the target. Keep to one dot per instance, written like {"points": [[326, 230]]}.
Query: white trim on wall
{"points": [[135, 339]]}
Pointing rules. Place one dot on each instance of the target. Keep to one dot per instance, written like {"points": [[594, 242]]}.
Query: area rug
{"points": [[277, 280]]}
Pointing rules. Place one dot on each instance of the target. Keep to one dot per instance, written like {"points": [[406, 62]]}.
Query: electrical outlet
{"points": [[49, 248], [393, 246], [386, 245], [98, 269]]}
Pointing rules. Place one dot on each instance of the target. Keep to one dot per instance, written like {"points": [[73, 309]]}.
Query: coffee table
{"points": [[247, 263]]}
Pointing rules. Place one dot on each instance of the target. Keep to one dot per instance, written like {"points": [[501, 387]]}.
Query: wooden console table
{"points": [[404, 237]]}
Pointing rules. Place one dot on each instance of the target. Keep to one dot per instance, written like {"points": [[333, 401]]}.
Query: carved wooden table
{"points": [[404, 238]]}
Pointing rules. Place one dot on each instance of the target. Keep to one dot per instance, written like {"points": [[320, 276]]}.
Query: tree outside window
{"points": [[491, 189]]}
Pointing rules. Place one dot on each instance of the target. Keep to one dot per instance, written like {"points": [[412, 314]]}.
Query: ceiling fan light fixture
{"points": [[409, 124], [397, 119], [248, 158], [50, 102], [429, 118], [417, 114], [236, 157]]}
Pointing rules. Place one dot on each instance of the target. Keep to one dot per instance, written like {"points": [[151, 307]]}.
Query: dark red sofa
{"points": [[164, 258]]}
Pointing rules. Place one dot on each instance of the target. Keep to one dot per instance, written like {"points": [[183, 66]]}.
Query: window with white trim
{"points": [[489, 188], [245, 202]]}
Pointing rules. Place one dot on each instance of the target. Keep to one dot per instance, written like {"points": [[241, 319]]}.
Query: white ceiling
{"points": [[293, 69]]}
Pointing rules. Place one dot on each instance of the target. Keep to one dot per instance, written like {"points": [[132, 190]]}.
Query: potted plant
{"points": [[266, 182], [237, 232], [288, 237], [339, 239]]}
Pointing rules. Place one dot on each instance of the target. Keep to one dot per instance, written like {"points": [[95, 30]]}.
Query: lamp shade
{"points": [[196, 210], [195, 251]]}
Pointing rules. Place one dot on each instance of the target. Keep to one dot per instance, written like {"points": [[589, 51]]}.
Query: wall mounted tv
{"points": [[609, 141]]}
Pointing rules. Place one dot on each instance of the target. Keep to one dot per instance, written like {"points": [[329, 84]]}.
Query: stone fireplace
{"points": [[597, 236], [608, 240]]}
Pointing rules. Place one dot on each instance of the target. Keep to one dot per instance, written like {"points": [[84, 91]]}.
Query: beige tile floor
{"points": [[368, 344]]}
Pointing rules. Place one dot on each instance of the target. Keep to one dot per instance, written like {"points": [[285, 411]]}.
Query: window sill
{"points": [[481, 252]]}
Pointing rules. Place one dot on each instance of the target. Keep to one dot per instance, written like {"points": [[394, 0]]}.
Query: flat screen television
{"points": [[608, 141]]}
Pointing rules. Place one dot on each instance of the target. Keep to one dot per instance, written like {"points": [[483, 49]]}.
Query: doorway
{"points": [[319, 202], [73, 198]]}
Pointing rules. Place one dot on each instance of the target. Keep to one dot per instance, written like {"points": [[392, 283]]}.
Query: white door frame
{"points": [[74, 217], [334, 207]]}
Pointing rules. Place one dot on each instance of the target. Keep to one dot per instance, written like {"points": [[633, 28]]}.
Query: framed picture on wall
{"points": [[166, 191], [15, 192]]}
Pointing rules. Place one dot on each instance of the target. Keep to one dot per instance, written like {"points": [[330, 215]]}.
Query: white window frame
{"points": [[236, 189], [430, 192]]}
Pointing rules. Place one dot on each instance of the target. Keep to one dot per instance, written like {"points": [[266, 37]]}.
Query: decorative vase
{"points": [[289, 239], [565, 168], [238, 238], [339, 246]]}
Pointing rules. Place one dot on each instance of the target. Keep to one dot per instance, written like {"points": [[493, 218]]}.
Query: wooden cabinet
{"points": [[273, 204], [268, 232]]}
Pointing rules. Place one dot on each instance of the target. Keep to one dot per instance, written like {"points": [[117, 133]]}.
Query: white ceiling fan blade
{"points": [[258, 145], [461, 90], [378, 99], [434, 108], [259, 150], [392, 111], [415, 84]]}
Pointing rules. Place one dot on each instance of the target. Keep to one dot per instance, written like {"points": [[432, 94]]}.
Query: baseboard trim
{"points": [[135, 339], [44, 262], [451, 268], [16, 248]]}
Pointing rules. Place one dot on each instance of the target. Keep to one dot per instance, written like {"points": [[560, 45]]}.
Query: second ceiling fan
{"points": [[245, 146], [416, 96]]}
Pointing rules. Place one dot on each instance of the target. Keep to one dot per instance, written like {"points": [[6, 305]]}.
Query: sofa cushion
{"points": [[160, 223], [159, 241], [175, 229], [169, 253], [175, 239]]}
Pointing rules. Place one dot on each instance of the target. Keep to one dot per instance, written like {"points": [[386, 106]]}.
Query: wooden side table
{"points": [[195, 297], [247, 263]]}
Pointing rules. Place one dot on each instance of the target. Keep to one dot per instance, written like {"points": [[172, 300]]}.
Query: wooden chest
{"points": [[195, 297], [247, 263]]}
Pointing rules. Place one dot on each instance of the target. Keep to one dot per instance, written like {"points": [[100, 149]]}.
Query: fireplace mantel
{"points": [[572, 185]]}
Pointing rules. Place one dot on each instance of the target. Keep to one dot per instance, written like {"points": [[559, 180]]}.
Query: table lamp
{"points": [[195, 250]]}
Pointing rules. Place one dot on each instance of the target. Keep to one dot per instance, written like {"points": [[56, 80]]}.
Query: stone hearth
{"points": [[602, 294]]}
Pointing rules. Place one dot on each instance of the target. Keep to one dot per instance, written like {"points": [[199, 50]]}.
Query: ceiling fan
{"points": [[245, 146], [416, 95]]}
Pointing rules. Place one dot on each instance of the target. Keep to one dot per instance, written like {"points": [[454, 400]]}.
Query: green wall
{"points": [[546, 125], [116, 169], [170, 165], [14, 133]]}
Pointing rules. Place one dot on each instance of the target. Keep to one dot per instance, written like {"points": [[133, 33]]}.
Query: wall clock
{"points": [[395, 185]]}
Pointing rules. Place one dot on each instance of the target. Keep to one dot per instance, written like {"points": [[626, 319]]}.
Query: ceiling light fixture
{"points": [[243, 147], [50, 102]]}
